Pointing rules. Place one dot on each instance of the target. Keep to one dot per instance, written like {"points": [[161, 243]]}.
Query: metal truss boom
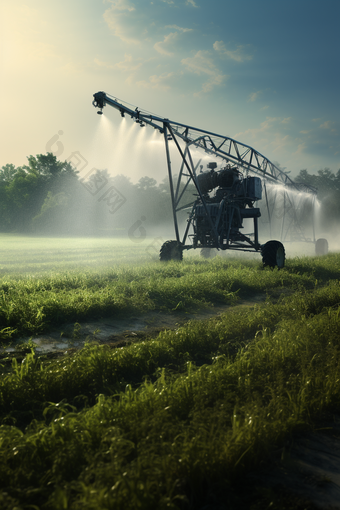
{"points": [[223, 147]]}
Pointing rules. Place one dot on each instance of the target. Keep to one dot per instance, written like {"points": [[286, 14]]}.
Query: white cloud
{"points": [[266, 125], [161, 82], [100, 63], [219, 47], [191, 2], [300, 149], [203, 65], [114, 19], [268, 136], [180, 29], [252, 97], [238, 55], [127, 65], [161, 46], [327, 125], [120, 5]]}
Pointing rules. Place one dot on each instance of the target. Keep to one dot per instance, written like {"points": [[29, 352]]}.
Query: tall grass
{"points": [[34, 303], [174, 422]]}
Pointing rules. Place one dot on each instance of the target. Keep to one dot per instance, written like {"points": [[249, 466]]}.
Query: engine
{"points": [[230, 181], [228, 199]]}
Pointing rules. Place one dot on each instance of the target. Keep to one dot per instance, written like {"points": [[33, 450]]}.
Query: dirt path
{"points": [[123, 330], [308, 468], [113, 331]]}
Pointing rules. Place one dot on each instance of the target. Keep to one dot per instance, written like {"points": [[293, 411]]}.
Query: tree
{"points": [[325, 181], [147, 184], [7, 173], [48, 165], [25, 194], [47, 195], [328, 185], [24, 189], [53, 215]]}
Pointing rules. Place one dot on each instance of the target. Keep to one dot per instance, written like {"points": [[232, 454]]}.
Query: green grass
{"points": [[21, 255], [76, 284], [179, 420], [168, 427]]}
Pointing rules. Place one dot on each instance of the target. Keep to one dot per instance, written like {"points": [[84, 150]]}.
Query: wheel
{"points": [[171, 250], [273, 254], [321, 247]]}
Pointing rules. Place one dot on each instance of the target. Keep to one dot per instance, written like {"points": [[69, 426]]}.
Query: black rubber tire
{"points": [[321, 247], [171, 250], [273, 254]]}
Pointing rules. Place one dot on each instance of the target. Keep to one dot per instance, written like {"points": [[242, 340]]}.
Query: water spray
{"points": [[223, 198]]}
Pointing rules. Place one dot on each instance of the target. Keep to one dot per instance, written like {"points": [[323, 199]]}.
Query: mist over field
{"points": [[130, 197], [86, 300], [131, 378]]}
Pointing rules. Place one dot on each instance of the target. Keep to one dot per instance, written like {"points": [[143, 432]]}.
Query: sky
{"points": [[264, 72]]}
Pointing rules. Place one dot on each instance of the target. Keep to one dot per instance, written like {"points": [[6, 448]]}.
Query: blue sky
{"points": [[264, 72]]}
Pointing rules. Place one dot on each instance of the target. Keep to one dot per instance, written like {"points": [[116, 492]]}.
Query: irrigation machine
{"points": [[224, 198]]}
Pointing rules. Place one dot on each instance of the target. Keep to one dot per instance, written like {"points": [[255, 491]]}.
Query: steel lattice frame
{"points": [[223, 147]]}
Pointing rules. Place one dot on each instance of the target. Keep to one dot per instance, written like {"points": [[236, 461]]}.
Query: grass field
{"points": [[176, 421]]}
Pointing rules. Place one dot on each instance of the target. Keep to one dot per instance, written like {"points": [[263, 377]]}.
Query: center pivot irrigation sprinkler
{"points": [[224, 198]]}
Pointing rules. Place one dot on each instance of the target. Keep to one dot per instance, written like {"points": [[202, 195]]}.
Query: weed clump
{"points": [[172, 421]]}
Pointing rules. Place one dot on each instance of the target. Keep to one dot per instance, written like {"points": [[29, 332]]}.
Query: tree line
{"points": [[47, 196], [327, 184]]}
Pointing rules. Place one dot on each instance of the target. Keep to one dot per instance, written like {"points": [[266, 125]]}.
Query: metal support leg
{"points": [[171, 183]]}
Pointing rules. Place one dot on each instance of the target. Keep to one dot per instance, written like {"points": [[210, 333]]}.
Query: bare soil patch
{"points": [[115, 332]]}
